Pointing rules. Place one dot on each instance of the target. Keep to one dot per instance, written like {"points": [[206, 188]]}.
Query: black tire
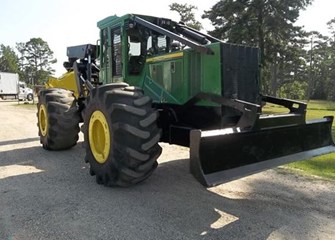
{"points": [[58, 119], [30, 97], [132, 132]]}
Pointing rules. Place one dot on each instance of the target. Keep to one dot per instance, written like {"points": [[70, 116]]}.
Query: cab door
{"points": [[111, 55]]}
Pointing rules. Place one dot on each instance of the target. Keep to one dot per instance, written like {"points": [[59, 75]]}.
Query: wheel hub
{"points": [[99, 136], [43, 120]]}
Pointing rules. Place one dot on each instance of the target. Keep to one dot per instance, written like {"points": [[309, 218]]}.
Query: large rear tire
{"points": [[58, 119], [121, 135]]}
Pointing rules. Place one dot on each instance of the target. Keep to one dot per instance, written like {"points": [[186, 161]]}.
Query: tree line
{"points": [[32, 60], [295, 63]]}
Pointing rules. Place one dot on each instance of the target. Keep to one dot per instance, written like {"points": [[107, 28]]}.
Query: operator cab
{"points": [[134, 40]]}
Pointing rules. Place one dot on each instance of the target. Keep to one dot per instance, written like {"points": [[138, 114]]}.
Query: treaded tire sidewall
{"points": [[128, 162], [63, 124]]}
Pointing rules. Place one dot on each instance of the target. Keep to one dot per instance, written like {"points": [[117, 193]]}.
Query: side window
{"points": [[137, 48], [150, 49], [157, 44], [134, 48], [116, 52], [162, 44]]}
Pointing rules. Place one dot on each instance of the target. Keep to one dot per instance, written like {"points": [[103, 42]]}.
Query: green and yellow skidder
{"points": [[152, 80]]}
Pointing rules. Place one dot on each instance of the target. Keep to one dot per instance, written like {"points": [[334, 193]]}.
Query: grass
{"points": [[321, 105], [324, 165]]}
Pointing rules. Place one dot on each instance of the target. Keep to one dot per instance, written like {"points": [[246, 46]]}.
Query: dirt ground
{"points": [[50, 195]]}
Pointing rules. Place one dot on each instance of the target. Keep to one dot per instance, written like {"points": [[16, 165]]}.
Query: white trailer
{"points": [[9, 85]]}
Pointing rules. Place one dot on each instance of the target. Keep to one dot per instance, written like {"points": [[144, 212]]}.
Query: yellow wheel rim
{"points": [[43, 120], [99, 136]]}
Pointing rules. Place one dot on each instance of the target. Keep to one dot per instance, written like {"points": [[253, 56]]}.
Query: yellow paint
{"points": [[67, 81], [43, 120], [99, 136], [165, 57]]}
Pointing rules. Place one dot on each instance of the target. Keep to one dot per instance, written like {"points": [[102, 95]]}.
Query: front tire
{"points": [[121, 135], [58, 119], [30, 97]]}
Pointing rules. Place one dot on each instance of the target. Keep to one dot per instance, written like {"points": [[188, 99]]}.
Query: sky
{"points": [[63, 23]]}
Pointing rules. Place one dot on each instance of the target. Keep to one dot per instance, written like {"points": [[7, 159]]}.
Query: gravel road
{"points": [[50, 195]]}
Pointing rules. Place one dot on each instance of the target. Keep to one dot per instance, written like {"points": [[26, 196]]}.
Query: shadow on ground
{"points": [[61, 201]]}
